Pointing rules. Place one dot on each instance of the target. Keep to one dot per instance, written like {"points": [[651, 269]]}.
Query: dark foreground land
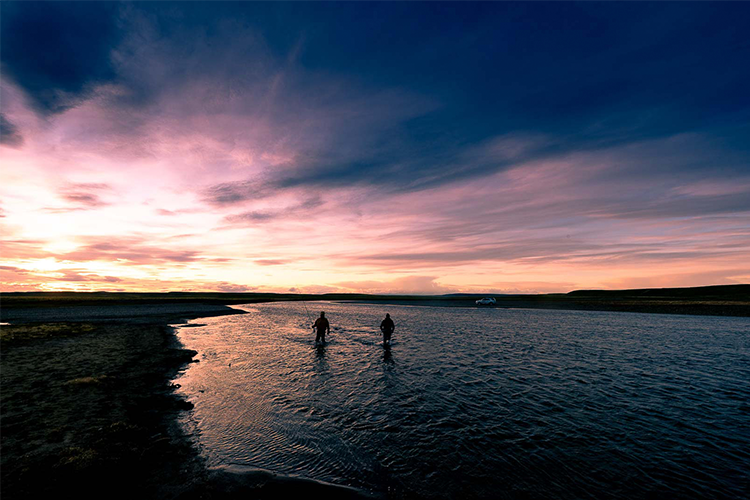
{"points": [[86, 410], [721, 300]]}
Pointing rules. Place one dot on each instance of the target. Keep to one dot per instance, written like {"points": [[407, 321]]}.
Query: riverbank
{"points": [[87, 410]]}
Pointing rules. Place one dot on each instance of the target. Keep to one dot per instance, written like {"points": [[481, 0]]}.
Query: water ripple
{"points": [[479, 403]]}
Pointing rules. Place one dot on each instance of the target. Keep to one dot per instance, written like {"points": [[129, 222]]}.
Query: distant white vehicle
{"points": [[487, 301]]}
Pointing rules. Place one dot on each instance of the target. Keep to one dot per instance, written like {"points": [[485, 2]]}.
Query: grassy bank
{"points": [[87, 411]]}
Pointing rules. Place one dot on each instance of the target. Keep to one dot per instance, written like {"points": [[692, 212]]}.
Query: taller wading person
{"points": [[322, 326]]}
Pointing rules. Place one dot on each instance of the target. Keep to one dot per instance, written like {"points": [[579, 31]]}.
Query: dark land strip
{"points": [[721, 300]]}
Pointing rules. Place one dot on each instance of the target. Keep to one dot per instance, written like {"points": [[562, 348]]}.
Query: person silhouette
{"points": [[322, 326], [387, 327]]}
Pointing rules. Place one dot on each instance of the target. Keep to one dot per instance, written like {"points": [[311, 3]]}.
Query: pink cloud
{"points": [[405, 284], [74, 275], [270, 262]]}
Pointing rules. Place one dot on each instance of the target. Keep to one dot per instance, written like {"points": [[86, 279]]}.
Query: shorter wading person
{"points": [[387, 327], [322, 326]]}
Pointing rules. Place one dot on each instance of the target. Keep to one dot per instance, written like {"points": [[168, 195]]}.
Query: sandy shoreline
{"points": [[87, 410]]}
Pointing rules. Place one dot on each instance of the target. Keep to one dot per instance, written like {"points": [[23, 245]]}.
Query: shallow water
{"points": [[478, 403]]}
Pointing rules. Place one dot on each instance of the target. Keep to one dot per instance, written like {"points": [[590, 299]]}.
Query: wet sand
{"points": [[87, 410]]}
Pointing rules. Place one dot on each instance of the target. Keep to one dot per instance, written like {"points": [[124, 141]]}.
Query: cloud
{"points": [[270, 262], [88, 200], [82, 196], [9, 134], [230, 193], [317, 289], [24, 249], [255, 216], [229, 287], [273, 123], [17, 279], [296, 210], [14, 278], [14, 269], [554, 248], [268, 117], [405, 284], [134, 249], [75, 275]]}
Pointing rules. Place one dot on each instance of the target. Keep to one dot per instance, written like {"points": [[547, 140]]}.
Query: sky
{"points": [[409, 147]]}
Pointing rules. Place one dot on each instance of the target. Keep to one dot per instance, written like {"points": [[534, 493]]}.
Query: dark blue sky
{"points": [[591, 73]]}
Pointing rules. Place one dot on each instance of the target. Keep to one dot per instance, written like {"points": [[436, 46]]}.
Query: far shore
{"points": [[720, 300]]}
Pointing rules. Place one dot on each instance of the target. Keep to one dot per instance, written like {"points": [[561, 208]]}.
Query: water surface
{"points": [[478, 403]]}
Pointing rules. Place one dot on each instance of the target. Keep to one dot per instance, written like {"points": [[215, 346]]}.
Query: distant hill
{"points": [[726, 292]]}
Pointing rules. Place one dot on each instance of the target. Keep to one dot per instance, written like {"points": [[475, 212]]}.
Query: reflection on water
{"points": [[321, 364], [479, 403], [387, 356]]}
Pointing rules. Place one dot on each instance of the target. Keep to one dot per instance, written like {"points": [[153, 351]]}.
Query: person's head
{"points": [[387, 315], [322, 314]]}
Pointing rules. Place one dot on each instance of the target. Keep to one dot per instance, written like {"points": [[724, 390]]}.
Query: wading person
{"points": [[322, 327], [387, 327]]}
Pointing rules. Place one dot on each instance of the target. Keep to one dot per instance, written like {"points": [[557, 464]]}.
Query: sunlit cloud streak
{"points": [[73, 276], [423, 285]]}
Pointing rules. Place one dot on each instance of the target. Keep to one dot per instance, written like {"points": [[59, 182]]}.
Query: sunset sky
{"points": [[386, 147]]}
